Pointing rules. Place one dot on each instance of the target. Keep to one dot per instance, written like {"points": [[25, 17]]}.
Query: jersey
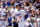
{"points": [[20, 15]]}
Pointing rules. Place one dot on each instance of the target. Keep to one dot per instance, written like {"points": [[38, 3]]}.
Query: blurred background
{"points": [[19, 13]]}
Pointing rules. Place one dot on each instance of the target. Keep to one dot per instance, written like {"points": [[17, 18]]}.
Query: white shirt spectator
{"points": [[21, 24], [3, 24], [3, 11], [35, 25], [27, 24]]}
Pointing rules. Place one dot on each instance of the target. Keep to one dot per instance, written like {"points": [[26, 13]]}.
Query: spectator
{"points": [[28, 23], [35, 24], [3, 23], [15, 23], [9, 20]]}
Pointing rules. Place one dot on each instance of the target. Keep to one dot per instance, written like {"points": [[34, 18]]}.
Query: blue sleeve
{"points": [[26, 16], [4, 5]]}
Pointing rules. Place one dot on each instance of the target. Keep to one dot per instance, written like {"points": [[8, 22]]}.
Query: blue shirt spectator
{"points": [[9, 20]]}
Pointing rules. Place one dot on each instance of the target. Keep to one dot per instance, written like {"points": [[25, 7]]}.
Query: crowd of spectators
{"points": [[20, 13]]}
